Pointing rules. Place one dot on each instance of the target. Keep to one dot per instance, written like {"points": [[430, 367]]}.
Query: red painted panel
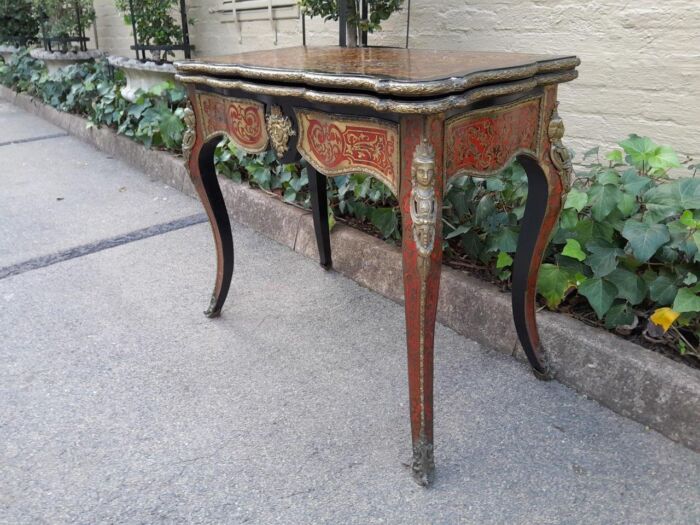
{"points": [[484, 141], [338, 145], [243, 120]]}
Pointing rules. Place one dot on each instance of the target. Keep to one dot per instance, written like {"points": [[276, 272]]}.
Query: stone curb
{"points": [[621, 375]]}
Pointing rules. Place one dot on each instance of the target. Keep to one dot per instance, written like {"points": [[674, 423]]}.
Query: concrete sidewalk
{"points": [[121, 403]]}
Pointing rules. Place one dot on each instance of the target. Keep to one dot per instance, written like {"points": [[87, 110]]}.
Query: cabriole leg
{"points": [[421, 203], [319, 210], [203, 175], [542, 209]]}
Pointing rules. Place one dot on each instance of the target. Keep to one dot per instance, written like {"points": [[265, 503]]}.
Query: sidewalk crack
{"points": [[104, 244]]}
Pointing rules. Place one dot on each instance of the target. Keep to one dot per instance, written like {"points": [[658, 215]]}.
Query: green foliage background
{"points": [[18, 23], [379, 10], [60, 17], [154, 20]]}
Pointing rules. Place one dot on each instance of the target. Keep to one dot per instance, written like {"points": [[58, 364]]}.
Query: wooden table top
{"points": [[395, 71]]}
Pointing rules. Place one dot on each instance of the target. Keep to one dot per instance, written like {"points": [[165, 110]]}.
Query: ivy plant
{"points": [[18, 24]]}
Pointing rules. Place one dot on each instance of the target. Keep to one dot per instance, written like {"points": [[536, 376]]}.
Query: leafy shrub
{"points": [[17, 73], [88, 88], [379, 10], [624, 254], [18, 25], [60, 17], [154, 22]]}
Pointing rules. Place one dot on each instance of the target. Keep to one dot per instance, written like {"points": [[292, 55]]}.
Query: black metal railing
{"points": [[185, 46], [65, 41]]}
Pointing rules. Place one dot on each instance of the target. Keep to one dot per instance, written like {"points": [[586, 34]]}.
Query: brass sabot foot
{"points": [[423, 464], [547, 371], [212, 311]]}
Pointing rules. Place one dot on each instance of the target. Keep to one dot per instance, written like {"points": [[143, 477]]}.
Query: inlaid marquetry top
{"points": [[393, 71]]}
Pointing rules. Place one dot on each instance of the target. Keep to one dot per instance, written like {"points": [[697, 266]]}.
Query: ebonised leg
{"points": [[541, 214], [319, 210], [203, 175]]}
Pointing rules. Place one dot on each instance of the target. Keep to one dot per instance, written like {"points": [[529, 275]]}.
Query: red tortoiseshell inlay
{"points": [[243, 120], [482, 142], [337, 145]]}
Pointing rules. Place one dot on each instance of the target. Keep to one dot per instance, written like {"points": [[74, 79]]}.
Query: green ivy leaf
{"points": [[664, 158], [629, 285], [568, 219], [686, 301], [645, 239], [385, 220], [553, 282], [593, 152], [600, 294], [505, 240], [504, 260], [608, 176], [484, 209], [620, 314], [615, 156], [681, 194], [573, 250], [461, 229], [639, 150], [472, 244], [687, 219], [691, 278], [633, 183], [628, 204], [662, 290], [603, 200], [576, 199], [495, 184], [603, 257]]}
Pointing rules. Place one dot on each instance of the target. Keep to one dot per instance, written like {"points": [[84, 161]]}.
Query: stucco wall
{"points": [[640, 70]]}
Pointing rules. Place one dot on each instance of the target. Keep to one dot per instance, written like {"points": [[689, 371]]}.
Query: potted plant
{"points": [[362, 15], [63, 24], [18, 26], [160, 28]]}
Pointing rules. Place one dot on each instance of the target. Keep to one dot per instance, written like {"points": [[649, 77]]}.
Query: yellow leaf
{"points": [[664, 317]]}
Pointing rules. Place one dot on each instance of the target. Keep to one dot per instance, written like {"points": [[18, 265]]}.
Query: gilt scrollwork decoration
{"points": [[190, 135], [559, 153], [280, 129]]}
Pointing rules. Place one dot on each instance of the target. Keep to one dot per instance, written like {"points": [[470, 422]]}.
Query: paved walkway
{"points": [[121, 403]]}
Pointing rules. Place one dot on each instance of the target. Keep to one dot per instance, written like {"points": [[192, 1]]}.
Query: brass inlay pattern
{"points": [[241, 120], [341, 145], [559, 153], [280, 129], [388, 105], [190, 135], [453, 123]]}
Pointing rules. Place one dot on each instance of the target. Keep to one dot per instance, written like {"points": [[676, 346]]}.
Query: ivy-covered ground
{"points": [[624, 256]]}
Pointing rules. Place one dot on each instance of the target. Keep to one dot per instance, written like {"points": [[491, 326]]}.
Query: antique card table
{"points": [[414, 119]]}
